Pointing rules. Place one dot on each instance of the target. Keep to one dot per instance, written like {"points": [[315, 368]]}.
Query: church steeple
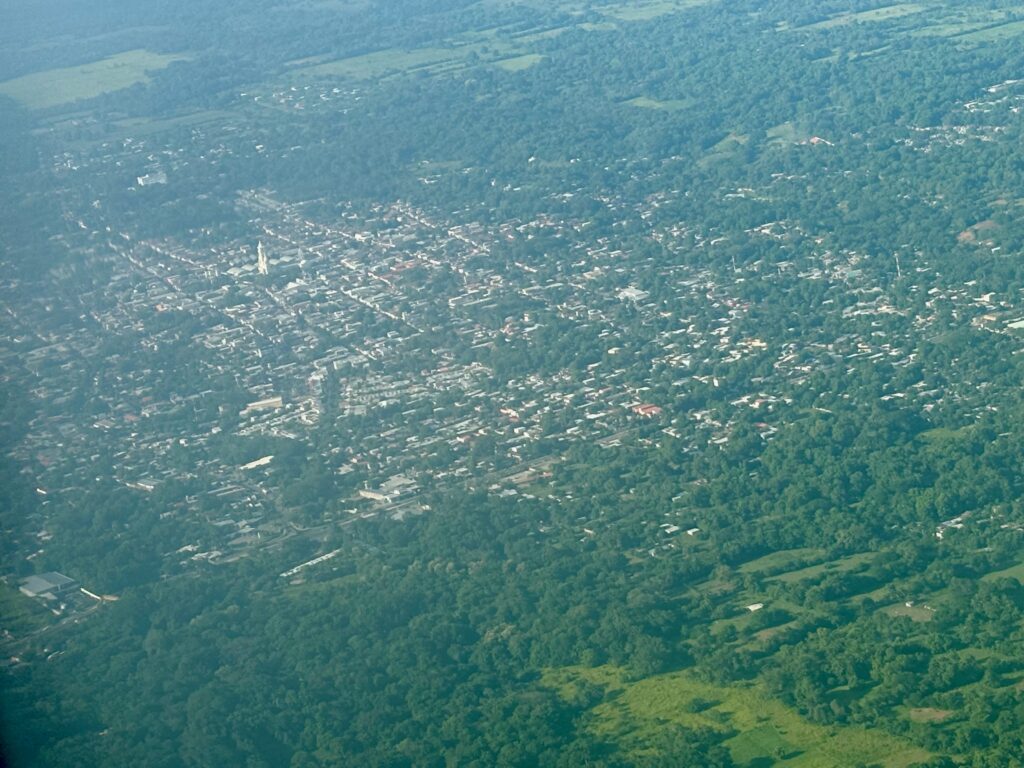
{"points": [[261, 259]]}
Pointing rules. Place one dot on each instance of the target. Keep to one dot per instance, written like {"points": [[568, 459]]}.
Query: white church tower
{"points": [[261, 259]]}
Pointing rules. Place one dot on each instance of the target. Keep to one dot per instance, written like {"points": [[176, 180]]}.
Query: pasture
{"points": [[887, 13], [767, 731], [518, 63], [1013, 572], [56, 87], [669, 105], [21, 615]]}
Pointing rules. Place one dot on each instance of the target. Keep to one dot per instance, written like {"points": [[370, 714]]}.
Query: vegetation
{"points": [[57, 87], [794, 227], [753, 727]]}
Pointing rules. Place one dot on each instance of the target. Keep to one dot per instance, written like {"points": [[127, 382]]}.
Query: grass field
{"points": [[55, 87], [141, 126], [20, 615], [929, 714], [967, 25], [988, 34], [782, 561], [912, 612], [769, 732], [1013, 572], [843, 565], [949, 28], [518, 63], [724, 149], [743, 617], [943, 433], [471, 49], [532, 36], [380, 63], [645, 102], [730, 142], [498, 46], [341, 6], [784, 133], [876, 14], [758, 743], [643, 11], [639, 10]]}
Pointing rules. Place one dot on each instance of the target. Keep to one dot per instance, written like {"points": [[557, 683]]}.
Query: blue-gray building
{"points": [[47, 585]]}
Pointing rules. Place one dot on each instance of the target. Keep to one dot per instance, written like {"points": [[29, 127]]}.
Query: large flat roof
{"points": [[46, 582]]}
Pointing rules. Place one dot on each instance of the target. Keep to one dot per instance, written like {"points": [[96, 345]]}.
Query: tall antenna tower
{"points": [[261, 259]]}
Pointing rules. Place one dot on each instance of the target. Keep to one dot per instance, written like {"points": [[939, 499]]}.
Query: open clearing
{"points": [[767, 729], [929, 714], [877, 14], [55, 87], [644, 11], [518, 63], [843, 565], [20, 615], [1013, 572], [640, 10], [988, 34], [724, 149], [785, 133], [912, 612], [645, 102], [468, 50], [498, 46], [948, 29], [959, 22], [380, 63], [136, 127], [782, 561]]}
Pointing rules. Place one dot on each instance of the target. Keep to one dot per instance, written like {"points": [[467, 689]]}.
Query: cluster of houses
{"points": [[385, 327]]}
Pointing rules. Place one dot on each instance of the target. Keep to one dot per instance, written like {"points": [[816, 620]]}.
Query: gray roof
{"points": [[46, 582]]}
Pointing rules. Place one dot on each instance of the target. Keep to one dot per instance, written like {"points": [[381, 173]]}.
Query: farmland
{"points": [[757, 727], [58, 87]]}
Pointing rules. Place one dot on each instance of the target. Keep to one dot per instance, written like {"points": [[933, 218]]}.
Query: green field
{"points": [[142, 126], [518, 63], [968, 25], [494, 45], [876, 14], [55, 87], [532, 36], [912, 612], [759, 743], [497, 46], [988, 34], [1013, 572], [843, 565], [768, 732], [669, 105], [782, 561], [20, 615], [724, 149], [644, 11], [948, 29], [976, 23], [743, 617], [485, 46], [929, 714], [784, 133], [393, 60]]}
